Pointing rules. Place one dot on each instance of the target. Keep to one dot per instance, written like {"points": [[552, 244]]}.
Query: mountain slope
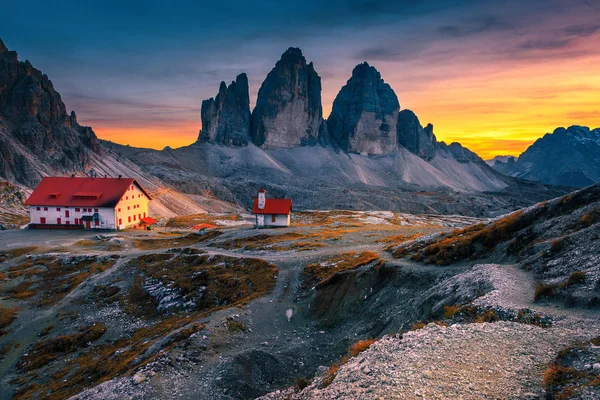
{"points": [[317, 177], [565, 157], [39, 138]]}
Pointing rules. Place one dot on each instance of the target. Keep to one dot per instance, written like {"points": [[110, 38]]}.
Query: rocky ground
{"points": [[240, 313]]}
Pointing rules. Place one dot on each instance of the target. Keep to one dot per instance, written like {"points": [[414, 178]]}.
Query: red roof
{"points": [[148, 221], [273, 206], [81, 192]]}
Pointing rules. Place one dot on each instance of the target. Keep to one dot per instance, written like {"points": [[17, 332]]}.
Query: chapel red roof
{"points": [[273, 206], [81, 192]]}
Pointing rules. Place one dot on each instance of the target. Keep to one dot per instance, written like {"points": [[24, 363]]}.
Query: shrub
{"points": [[7, 317], [49, 350], [302, 383], [556, 245], [234, 326], [450, 311], [575, 278], [418, 325], [544, 290], [559, 375], [360, 346]]}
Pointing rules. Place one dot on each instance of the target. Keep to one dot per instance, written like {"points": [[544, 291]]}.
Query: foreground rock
{"points": [[288, 110], [473, 361], [226, 118], [364, 114]]}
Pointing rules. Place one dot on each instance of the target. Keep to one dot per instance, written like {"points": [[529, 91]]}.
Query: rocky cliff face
{"points": [[226, 118], [288, 110], [566, 157], [364, 114], [416, 139], [34, 125]]}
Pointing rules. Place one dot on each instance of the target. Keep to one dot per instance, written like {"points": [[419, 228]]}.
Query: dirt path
{"points": [[472, 361]]}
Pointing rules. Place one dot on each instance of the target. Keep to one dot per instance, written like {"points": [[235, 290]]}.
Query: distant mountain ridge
{"points": [[569, 157], [375, 157]]}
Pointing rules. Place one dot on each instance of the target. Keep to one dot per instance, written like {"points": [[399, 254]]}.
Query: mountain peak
{"points": [[3, 47], [365, 71], [288, 111], [292, 52], [364, 114], [226, 117]]}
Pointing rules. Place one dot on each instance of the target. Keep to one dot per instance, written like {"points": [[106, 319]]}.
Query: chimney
{"points": [[262, 194]]}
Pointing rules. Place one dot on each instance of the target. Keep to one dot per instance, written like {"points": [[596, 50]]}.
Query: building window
{"points": [[273, 218], [77, 210], [58, 209], [126, 197], [128, 219], [144, 215], [45, 208], [140, 216], [95, 210], [76, 221], [129, 207], [43, 220], [131, 187], [119, 210], [37, 208], [120, 221], [67, 213], [134, 217]]}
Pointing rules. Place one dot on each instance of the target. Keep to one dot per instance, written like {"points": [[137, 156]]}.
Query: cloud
{"points": [[475, 26], [545, 44], [584, 30]]}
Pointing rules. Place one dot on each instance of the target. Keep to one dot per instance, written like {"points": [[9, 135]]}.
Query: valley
{"points": [[240, 313]]}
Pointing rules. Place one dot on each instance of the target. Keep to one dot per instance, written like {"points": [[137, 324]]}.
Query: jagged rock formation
{"points": [[416, 139], [226, 118], [460, 153], [365, 113], [288, 110], [566, 157], [34, 125]]}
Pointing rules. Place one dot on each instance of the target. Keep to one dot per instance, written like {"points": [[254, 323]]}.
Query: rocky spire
{"points": [[364, 114], [226, 118], [3, 47], [416, 139], [288, 110]]}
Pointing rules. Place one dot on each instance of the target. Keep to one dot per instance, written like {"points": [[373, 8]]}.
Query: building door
{"points": [[88, 225], [273, 218], [58, 221], [42, 220]]}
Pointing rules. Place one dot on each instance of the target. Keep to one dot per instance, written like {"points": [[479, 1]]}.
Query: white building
{"points": [[271, 212], [88, 203]]}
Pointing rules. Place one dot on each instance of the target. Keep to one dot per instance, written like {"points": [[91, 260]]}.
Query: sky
{"points": [[492, 75]]}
